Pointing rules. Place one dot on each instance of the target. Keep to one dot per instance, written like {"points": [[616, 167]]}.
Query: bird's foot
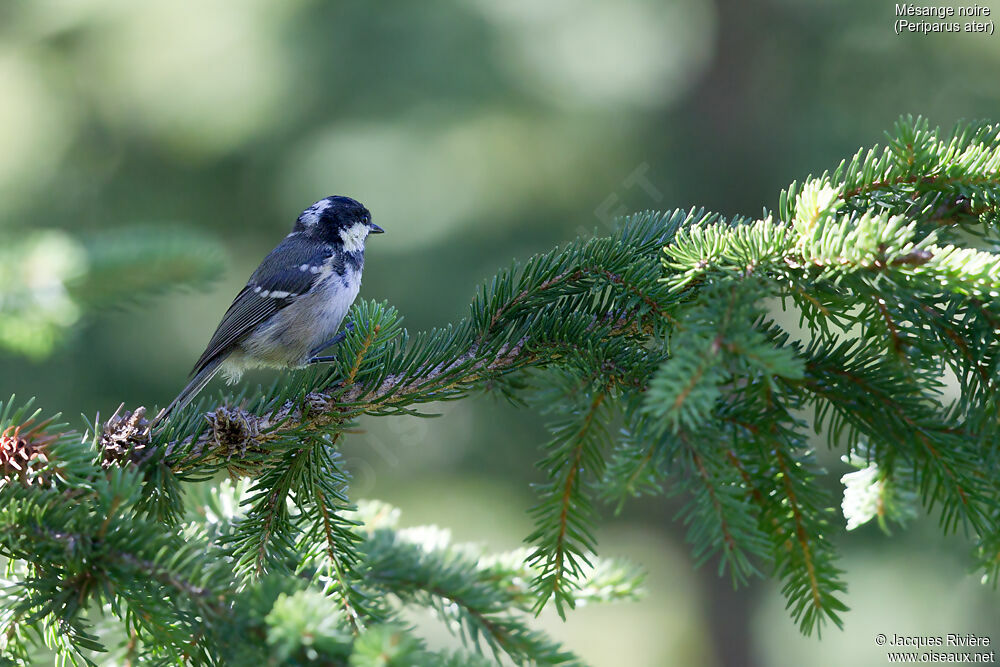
{"points": [[313, 359]]}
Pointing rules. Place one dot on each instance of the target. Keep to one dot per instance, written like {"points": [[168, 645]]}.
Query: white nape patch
{"points": [[311, 215], [354, 236]]}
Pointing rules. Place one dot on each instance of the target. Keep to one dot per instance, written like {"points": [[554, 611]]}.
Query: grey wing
{"points": [[284, 274]]}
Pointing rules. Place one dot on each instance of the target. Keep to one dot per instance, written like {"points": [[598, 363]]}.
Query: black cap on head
{"points": [[332, 214]]}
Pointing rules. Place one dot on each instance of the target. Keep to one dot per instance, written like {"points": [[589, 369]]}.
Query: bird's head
{"points": [[338, 220]]}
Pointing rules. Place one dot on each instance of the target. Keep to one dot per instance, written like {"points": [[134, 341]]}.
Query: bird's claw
{"points": [[333, 341]]}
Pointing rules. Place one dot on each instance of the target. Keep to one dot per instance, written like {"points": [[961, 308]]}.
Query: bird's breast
{"points": [[290, 336], [327, 304]]}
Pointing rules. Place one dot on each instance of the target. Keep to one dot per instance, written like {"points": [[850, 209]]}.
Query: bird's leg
{"points": [[313, 359]]}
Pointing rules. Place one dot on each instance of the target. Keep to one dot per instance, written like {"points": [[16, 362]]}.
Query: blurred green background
{"points": [[476, 131]]}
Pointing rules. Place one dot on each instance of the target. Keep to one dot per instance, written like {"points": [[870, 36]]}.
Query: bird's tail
{"points": [[189, 392]]}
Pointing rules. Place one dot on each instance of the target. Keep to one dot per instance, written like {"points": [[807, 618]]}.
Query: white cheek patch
{"points": [[354, 237]]}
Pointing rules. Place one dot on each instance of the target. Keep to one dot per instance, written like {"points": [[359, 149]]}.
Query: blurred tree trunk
{"points": [[724, 100]]}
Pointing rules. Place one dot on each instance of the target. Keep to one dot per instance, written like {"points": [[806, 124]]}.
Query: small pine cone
{"points": [[125, 438], [24, 452], [234, 430]]}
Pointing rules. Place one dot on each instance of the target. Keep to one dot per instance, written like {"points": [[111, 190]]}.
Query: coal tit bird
{"points": [[294, 302]]}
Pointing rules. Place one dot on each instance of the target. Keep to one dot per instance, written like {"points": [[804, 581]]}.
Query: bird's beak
{"points": [[375, 229]]}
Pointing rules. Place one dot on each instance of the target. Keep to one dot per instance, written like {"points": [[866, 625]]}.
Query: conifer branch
{"points": [[802, 537], [663, 325], [557, 556], [340, 571]]}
